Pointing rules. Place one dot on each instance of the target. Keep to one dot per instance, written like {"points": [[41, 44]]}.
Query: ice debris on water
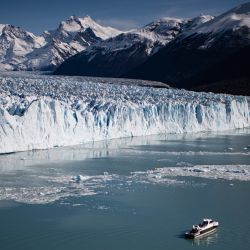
{"points": [[61, 187], [226, 172]]}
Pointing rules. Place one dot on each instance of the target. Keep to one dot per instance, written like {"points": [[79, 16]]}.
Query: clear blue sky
{"points": [[38, 15]]}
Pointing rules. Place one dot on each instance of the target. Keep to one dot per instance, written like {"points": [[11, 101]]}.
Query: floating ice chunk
{"points": [[227, 172], [199, 170], [80, 178]]}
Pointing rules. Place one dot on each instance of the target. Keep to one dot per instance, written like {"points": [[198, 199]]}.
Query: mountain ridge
{"points": [[52, 47], [115, 56]]}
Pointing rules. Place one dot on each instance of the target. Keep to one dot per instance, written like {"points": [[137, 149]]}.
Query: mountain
{"points": [[21, 50], [116, 56], [16, 44], [207, 57]]}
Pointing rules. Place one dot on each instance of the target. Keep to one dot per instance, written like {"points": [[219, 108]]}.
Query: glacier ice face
{"points": [[39, 112]]}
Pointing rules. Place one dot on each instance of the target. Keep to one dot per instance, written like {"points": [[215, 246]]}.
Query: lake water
{"points": [[131, 194]]}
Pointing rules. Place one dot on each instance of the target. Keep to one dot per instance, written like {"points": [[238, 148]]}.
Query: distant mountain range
{"points": [[22, 50], [118, 55], [204, 53]]}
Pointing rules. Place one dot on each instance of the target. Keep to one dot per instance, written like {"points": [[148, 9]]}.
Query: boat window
{"points": [[204, 223]]}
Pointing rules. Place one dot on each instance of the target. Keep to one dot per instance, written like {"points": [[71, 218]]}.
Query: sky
{"points": [[39, 15]]}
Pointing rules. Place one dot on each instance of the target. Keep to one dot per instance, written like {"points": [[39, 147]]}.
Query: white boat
{"points": [[207, 226]]}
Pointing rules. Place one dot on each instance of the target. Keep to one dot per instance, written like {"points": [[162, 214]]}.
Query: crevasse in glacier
{"points": [[39, 112]]}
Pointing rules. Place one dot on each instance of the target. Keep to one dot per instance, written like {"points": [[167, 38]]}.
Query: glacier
{"points": [[42, 111]]}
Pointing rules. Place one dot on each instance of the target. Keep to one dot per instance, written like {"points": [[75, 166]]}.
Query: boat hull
{"points": [[201, 233]]}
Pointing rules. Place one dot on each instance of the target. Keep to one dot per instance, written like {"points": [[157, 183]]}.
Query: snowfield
{"points": [[40, 112]]}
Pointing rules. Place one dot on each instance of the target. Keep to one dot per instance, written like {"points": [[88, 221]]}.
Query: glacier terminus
{"points": [[42, 111]]}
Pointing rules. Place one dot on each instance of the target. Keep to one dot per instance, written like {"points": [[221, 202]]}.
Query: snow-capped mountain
{"points": [[16, 44], [116, 56], [24, 51], [232, 20], [39, 111], [69, 28], [216, 52], [21, 50]]}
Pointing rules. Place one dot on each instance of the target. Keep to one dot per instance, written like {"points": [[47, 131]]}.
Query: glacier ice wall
{"points": [[39, 112]]}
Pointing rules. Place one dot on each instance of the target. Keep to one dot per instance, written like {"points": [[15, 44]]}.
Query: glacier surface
{"points": [[40, 112]]}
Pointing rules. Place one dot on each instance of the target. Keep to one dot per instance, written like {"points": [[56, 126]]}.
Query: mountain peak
{"points": [[87, 18], [9, 28], [165, 21], [76, 24], [163, 27], [72, 24], [232, 20], [203, 18], [73, 17], [87, 22], [13, 32]]}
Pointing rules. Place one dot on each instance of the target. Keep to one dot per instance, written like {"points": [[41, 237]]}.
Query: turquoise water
{"points": [[120, 194]]}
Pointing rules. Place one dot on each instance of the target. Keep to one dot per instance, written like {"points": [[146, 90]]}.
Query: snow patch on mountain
{"points": [[163, 30], [197, 21], [234, 19]]}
